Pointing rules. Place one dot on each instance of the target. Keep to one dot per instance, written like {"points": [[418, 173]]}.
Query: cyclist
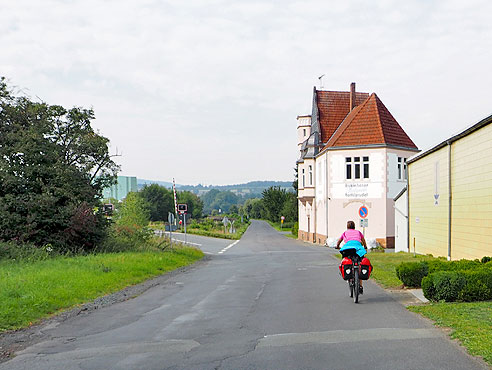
{"points": [[353, 240]]}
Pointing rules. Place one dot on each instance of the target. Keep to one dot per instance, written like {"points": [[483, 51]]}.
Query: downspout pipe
{"points": [[450, 198], [408, 209]]}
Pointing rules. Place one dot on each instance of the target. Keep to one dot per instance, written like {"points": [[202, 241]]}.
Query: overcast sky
{"points": [[208, 91]]}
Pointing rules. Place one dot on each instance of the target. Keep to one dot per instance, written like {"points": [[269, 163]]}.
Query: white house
{"points": [[352, 159]]}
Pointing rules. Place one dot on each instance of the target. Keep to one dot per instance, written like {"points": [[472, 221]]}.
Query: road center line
{"points": [[229, 246]]}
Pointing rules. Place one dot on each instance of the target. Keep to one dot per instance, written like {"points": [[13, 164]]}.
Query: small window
{"points": [[310, 175], [349, 169], [303, 178], [365, 161], [304, 131], [402, 168]]}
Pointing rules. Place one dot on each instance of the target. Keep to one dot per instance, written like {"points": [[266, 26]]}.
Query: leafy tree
{"points": [[273, 200], [133, 212], [254, 208], [290, 208], [223, 200], [160, 201], [53, 167]]}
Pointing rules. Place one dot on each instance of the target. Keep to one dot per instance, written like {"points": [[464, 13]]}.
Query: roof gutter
{"points": [[452, 139]]}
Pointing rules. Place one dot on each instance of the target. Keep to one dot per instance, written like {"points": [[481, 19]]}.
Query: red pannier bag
{"points": [[365, 269], [346, 268]]}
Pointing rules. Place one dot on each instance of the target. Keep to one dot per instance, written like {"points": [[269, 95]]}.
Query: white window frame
{"points": [[357, 164]]}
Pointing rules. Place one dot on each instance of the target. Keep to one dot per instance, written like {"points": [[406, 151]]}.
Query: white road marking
{"points": [[229, 246], [346, 336]]}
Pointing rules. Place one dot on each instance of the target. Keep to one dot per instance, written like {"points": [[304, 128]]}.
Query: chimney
{"points": [[352, 96]]}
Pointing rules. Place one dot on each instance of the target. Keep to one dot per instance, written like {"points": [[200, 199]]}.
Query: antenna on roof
{"points": [[320, 78]]}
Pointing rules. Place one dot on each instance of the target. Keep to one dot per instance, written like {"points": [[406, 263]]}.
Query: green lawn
{"points": [[471, 324], [385, 264], [276, 226], [30, 291]]}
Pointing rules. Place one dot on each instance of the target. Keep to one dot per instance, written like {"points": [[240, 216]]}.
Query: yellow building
{"points": [[450, 196]]}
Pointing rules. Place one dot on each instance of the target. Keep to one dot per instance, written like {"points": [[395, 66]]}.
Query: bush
{"points": [[448, 285], [428, 287], [411, 273], [295, 229], [452, 286], [486, 259]]}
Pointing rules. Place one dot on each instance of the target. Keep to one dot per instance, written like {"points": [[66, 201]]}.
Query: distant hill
{"points": [[249, 189]]}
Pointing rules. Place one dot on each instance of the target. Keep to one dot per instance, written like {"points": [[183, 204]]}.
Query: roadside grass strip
{"points": [[30, 291], [385, 266], [471, 324]]}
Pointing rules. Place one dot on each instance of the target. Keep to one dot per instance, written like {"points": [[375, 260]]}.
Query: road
{"points": [[267, 302]]}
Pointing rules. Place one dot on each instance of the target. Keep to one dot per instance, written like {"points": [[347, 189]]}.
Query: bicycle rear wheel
{"points": [[351, 288], [356, 285]]}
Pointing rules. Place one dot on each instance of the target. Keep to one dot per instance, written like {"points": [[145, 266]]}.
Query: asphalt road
{"points": [[267, 302]]}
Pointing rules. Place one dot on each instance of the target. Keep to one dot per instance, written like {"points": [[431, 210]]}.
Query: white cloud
{"points": [[209, 91]]}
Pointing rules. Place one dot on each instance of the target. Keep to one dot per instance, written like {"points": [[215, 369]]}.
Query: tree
{"points": [[253, 208], [133, 212], [53, 167], [159, 200], [290, 208], [273, 201]]}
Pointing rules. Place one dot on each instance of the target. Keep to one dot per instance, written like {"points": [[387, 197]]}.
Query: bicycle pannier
{"points": [[346, 268], [365, 269]]}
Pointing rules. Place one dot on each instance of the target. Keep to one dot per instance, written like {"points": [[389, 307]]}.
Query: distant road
{"points": [[267, 302]]}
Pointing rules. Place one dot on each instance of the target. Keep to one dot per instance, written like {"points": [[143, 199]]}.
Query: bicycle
{"points": [[353, 273]]}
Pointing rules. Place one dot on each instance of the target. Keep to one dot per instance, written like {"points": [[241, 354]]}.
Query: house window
{"points": [[355, 168], [365, 163], [310, 175], [304, 131], [402, 168], [303, 178]]}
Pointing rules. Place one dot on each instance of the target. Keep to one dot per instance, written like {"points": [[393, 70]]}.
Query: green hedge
{"points": [[450, 286], [411, 273], [295, 229]]}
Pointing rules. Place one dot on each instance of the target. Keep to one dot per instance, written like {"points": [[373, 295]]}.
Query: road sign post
{"points": [[363, 211], [170, 218]]}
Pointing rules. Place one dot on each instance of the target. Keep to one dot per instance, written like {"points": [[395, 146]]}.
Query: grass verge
{"points": [[276, 226], [30, 291], [385, 263], [471, 324]]}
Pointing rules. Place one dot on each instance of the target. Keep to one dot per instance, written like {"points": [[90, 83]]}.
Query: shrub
{"points": [[468, 286], [411, 273], [428, 287], [486, 259], [295, 229], [447, 285]]}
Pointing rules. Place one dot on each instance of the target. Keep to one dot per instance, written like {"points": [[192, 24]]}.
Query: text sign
{"points": [[182, 208], [364, 222], [363, 212]]}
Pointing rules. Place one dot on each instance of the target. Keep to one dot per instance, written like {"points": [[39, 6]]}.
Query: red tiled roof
{"points": [[370, 123], [333, 107]]}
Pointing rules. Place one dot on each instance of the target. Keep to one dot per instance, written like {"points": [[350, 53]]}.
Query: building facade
{"points": [[352, 154], [120, 190], [450, 196]]}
